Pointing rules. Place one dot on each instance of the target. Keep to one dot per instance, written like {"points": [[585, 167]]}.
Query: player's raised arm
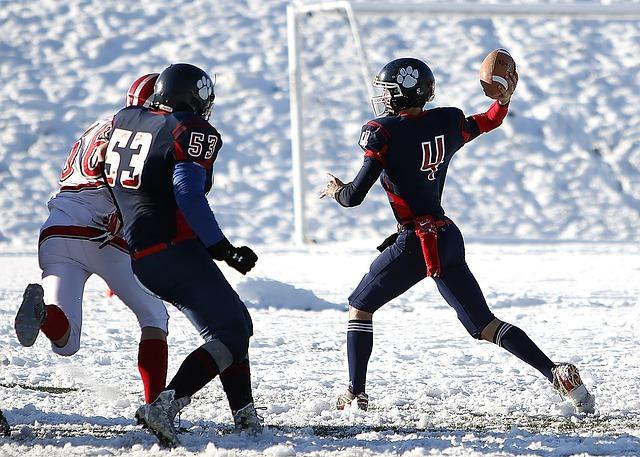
{"points": [[476, 124], [498, 78]]}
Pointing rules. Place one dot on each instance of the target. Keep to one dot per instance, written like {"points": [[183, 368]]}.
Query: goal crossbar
{"points": [[582, 11], [587, 10]]}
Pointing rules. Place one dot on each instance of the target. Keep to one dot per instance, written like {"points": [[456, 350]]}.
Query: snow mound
{"points": [[267, 293]]}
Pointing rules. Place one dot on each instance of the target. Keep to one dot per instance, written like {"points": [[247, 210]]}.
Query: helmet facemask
{"points": [[384, 102]]}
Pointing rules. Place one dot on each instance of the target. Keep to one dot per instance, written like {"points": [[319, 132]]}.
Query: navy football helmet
{"points": [[184, 87], [405, 83]]}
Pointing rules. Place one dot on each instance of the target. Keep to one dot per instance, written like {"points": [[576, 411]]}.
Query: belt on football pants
{"points": [[159, 247], [412, 226]]}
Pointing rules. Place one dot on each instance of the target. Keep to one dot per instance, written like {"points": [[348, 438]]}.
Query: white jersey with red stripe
{"points": [[83, 199]]}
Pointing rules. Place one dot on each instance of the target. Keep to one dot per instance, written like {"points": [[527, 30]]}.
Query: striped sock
{"points": [[359, 347], [519, 344]]}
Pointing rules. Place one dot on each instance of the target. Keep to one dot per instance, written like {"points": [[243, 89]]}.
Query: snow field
{"points": [[434, 390]]}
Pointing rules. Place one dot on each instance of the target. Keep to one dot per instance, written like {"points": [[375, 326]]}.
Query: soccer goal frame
{"points": [[582, 11]]}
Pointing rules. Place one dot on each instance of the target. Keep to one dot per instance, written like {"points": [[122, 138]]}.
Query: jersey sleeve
{"points": [[474, 125], [353, 193], [195, 140], [374, 141], [189, 183]]}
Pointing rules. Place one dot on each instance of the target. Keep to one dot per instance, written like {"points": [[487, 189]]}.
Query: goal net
{"points": [[564, 165]]}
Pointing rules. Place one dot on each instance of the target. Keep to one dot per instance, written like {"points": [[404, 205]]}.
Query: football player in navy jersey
{"points": [[410, 149], [159, 164]]}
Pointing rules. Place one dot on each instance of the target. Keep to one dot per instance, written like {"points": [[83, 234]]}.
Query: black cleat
{"points": [[31, 315]]}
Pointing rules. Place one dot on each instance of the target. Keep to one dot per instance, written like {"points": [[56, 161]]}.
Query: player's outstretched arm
{"points": [[332, 187], [353, 193], [477, 124]]}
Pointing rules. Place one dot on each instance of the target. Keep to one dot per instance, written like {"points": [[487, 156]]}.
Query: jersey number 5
{"points": [[127, 143], [432, 157]]}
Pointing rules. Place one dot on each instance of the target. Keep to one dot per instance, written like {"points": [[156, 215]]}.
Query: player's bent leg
{"points": [[63, 288], [394, 271], [518, 343], [461, 291], [199, 368], [564, 376], [63, 285], [359, 349], [186, 276]]}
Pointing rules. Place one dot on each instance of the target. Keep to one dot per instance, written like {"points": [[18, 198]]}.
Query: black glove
{"points": [[221, 250], [242, 259]]}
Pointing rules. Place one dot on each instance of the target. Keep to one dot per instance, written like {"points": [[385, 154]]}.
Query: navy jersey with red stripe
{"points": [[143, 150], [411, 154]]}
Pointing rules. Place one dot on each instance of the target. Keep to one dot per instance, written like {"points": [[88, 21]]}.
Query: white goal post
{"points": [[587, 10]]}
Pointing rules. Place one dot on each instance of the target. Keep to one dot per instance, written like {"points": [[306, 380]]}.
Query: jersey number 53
{"points": [[131, 146]]}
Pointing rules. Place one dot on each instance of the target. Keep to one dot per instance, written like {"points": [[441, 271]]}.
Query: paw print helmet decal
{"points": [[184, 87], [205, 87], [408, 77], [403, 83]]}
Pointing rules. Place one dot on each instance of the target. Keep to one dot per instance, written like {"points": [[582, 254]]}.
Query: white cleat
{"points": [[567, 381], [31, 315], [247, 420], [349, 400], [158, 418]]}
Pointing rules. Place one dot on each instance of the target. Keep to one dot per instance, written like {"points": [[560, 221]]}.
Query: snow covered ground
{"points": [[434, 390]]}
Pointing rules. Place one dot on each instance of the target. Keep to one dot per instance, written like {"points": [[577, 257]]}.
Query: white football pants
{"points": [[66, 265]]}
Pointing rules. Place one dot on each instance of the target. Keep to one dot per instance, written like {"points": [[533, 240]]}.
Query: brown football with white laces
{"points": [[494, 70]]}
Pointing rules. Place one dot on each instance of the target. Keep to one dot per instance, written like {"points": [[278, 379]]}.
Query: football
{"points": [[493, 72]]}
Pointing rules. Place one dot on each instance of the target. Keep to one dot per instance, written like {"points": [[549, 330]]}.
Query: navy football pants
{"points": [[185, 276], [402, 265]]}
